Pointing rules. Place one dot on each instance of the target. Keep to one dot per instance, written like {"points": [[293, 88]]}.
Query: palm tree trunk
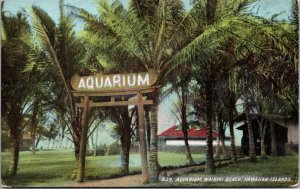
{"points": [[231, 130], [221, 145], [37, 142], [232, 144], [209, 113], [187, 148], [252, 153], [153, 158], [96, 141], [148, 126], [83, 141], [34, 123], [184, 124], [222, 135], [143, 148], [33, 144], [218, 149], [273, 139], [76, 136], [263, 153], [125, 149], [76, 150], [15, 150]]}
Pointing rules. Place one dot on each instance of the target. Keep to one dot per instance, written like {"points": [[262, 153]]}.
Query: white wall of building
{"points": [[192, 142]]}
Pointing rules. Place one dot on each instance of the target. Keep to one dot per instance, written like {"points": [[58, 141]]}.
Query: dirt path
{"points": [[136, 180], [126, 181], [130, 181]]}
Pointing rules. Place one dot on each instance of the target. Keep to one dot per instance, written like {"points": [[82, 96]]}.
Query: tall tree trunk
{"points": [[49, 142], [223, 146], [37, 142], [187, 148], [252, 153], [232, 144], [263, 153], [148, 126], [76, 153], [211, 11], [34, 123], [76, 136], [61, 141], [273, 139], [218, 149], [125, 148], [222, 134], [153, 158], [143, 148], [33, 144], [83, 141], [209, 113], [96, 141], [184, 124], [231, 130], [15, 150]]}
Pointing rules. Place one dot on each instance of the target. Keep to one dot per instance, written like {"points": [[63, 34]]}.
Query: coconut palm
{"points": [[64, 52], [21, 89], [181, 113], [15, 86]]}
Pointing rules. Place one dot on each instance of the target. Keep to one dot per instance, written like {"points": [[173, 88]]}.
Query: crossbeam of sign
{"points": [[99, 82]]}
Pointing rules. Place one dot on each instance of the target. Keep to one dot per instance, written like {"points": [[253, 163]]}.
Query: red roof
{"points": [[193, 132]]}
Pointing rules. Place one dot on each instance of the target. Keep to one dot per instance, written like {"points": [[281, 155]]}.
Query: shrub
{"points": [[100, 150], [113, 149]]}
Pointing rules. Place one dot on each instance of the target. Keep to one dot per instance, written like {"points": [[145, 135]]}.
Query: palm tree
{"points": [[123, 117], [276, 54], [182, 93], [16, 85], [64, 52]]}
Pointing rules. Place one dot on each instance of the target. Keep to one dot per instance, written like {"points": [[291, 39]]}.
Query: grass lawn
{"points": [[280, 166], [54, 168]]}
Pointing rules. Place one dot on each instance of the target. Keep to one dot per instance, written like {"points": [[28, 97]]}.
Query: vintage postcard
{"points": [[149, 93]]}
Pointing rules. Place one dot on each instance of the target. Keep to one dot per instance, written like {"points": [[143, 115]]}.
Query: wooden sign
{"points": [[114, 82]]}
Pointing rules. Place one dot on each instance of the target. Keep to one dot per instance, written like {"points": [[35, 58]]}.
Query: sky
{"points": [[166, 119], [265, 7]]}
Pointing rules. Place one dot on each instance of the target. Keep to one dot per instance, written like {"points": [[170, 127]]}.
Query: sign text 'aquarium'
{"points": [[114, 81]]}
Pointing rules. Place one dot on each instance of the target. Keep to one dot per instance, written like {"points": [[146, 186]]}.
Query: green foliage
{"points": [[113, 149], [52, 131], [101, 150]]}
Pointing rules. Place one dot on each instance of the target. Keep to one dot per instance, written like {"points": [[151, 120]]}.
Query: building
{"points": [[286, 132], [173, 136]]}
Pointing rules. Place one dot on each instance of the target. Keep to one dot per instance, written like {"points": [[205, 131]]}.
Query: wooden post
{"points": [[143, 148], [84, 131]]}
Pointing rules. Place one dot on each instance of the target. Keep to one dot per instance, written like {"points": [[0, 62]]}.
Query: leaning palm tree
{"points": [[64, 51], [181, 113]]}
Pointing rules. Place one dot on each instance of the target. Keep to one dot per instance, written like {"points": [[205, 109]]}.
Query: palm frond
{"points": [[46, 46]]}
